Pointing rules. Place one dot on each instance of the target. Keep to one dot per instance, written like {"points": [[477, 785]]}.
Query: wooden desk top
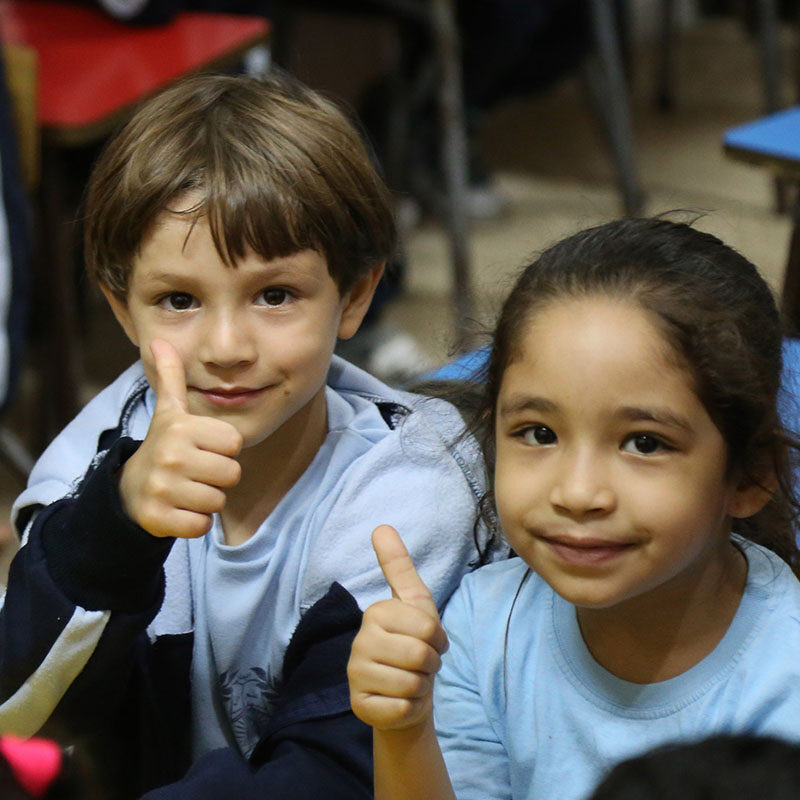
{"points": [[92, 69]]}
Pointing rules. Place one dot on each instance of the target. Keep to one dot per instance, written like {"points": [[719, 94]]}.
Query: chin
{"points": [[590, 598]]}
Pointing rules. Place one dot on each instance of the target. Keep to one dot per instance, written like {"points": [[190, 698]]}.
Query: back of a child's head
{"points": [[718, 768], [273, 167], [715, 311]]}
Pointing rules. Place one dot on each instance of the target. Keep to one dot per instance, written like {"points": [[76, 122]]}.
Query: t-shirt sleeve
{"points": [[475, 756]]}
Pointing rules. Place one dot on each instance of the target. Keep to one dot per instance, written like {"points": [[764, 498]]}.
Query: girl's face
{"points": [[611, 478]]}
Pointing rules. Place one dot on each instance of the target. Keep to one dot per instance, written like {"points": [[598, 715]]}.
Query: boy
{"points": [[196, 543]]}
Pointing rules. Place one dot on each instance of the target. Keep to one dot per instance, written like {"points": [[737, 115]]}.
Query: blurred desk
{"points": [[92, 71], [773, 142]]}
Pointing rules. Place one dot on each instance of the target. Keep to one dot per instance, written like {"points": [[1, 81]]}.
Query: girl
{"points": [[641, 475]]}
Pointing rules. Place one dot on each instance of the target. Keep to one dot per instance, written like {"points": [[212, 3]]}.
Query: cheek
{"points": [[513, 492]]}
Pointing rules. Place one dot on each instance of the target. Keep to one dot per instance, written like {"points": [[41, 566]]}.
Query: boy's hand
{"points": [[396, 654], [177, 478]]}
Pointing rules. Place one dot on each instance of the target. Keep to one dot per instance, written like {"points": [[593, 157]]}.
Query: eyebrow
{"points": [[518, 403], [662, 416], [165, 277], [521, 403]]}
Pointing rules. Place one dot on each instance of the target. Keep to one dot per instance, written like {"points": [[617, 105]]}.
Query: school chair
{"points": [[765, 23], [773, 142], [92, 71], [442, 75], [439, 75]]}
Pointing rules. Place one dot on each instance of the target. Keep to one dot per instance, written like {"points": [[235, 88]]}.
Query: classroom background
{"points": [[551, 175]]}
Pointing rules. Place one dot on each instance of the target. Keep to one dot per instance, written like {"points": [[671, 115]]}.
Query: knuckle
{"points": [[415, 685], [428, 628], [217, 500], [233, 473], [418, 654], [159, 487]]}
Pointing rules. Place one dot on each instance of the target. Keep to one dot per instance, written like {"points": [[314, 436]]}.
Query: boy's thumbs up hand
{"points": [[170, 385], [177, 478], [397, 652]]}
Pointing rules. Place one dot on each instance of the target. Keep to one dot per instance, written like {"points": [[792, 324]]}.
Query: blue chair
{"points": [[774, 142], [789, 401]]}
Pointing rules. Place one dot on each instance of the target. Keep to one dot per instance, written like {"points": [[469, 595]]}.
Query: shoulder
{"points": [[490, 591], [400, 409], [769, 612], [768, 575], [402, 432]]}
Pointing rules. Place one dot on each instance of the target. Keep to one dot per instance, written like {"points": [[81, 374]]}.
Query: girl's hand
{"points": [[177, 478], [396, 654]]}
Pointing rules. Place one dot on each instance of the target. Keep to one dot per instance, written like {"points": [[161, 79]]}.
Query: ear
{"points": [[356, 300], [122, 313], [750, 497]]}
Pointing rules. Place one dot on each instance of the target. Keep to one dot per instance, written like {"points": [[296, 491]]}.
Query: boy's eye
{"points": [[274, 297], [538, 435], [177, 301], [644, 444]]}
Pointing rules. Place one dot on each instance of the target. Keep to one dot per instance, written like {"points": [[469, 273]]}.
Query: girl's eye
{"points": [[177, 301], [538, 435], [644, 444], [274, 297]]}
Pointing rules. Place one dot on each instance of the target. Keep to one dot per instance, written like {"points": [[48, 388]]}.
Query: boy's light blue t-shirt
{"points": [[532, 715]]}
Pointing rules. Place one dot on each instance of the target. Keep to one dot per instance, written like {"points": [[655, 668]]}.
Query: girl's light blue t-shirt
{"points": [[527, 713]]}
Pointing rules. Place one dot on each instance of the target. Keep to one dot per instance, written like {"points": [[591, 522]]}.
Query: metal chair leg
{"points": [[609, 92], [14, 452], [454, 159]]}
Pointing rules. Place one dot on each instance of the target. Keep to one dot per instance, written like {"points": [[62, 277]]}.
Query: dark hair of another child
{"points": [[717, 768], [718, 314]]}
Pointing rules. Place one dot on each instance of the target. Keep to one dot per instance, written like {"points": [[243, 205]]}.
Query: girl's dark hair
{"points": [[720, 317], [718, 768]]}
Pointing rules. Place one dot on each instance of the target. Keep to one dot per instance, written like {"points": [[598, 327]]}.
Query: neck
{"points": [[665, 632], [271, 468]]}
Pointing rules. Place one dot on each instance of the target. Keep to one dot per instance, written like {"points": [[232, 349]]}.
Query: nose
{"points": [[227, 342], [582, 485]]}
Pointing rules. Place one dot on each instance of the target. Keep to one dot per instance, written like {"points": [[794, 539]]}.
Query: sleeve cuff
{"points": [[98, 556]]}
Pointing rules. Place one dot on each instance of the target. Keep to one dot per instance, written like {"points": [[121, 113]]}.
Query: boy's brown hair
{"points": [[277, 168]]}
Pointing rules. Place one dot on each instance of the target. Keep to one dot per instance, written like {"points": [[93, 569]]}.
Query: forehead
{"points": [[593, 352], [182, 245]]}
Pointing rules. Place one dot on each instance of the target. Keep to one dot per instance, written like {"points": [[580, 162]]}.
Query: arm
{"points": [[81, 590], [89, 578], [394, 659], [409, 764]]}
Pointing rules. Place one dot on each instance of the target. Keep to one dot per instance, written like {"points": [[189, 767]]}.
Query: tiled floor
{"points": [[552, 166]]}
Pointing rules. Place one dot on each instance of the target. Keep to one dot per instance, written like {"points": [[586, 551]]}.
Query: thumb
{"points": [[399, 570], [170, 376]]}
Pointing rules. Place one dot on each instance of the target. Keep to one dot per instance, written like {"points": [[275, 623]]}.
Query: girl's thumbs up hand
{"points": [[176, 480], [397, 652]]}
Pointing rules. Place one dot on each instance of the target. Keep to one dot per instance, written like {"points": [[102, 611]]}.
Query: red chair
{"points": [[92, 71]]}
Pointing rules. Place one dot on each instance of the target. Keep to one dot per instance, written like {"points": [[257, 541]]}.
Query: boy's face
{"points": [[255, 339]]}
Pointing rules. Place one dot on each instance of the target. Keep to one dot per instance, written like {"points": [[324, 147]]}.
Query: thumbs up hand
{"points": [[176, 480], [397, 652]]}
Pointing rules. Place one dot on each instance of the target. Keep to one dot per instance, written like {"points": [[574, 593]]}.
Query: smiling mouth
{"points": [[586, 552], [231, 397]]}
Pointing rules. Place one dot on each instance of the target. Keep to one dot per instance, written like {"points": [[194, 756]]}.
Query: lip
{"points": [[230, 396], [586, 550]]}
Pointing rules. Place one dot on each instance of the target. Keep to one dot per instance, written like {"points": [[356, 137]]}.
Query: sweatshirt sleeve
{"points": [[81, 592]]}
